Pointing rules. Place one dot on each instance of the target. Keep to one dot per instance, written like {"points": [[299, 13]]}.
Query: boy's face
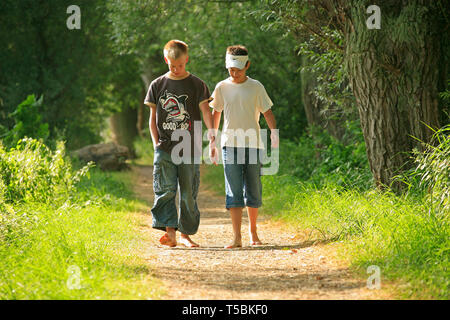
{"points": [[239, 75], [177, 67]]}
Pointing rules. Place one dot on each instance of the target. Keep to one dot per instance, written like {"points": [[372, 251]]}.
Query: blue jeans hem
{"points": [[189, 233], [235, 205], [163, 228], [251, 205]]}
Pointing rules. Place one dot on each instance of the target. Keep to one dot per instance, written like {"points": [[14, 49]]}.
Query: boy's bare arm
{"points": [[214, 153], [216, 119], [270, 119], [206, 112], [152, 125]]}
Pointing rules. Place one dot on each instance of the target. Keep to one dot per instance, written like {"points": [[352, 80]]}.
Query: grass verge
{"points": [[81, 249], [401, 235]]}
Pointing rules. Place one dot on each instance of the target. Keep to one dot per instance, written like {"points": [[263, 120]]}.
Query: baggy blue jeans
{"points": [[167, 177]]}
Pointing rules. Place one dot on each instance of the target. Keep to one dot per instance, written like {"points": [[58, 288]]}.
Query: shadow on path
{"points": [[282, 268]]}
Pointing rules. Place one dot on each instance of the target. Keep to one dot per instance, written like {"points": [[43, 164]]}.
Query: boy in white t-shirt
{"points": [[242, 100]]}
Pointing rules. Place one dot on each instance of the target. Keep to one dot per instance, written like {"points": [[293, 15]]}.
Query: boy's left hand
{"points": [[274, 138], [213, 153]]}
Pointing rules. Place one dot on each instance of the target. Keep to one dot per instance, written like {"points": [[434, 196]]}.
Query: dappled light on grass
{"points": [[77, 244], [402, 234]]}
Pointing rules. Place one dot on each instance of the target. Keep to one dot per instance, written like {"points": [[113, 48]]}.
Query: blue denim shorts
{"points": [[242, 170]]}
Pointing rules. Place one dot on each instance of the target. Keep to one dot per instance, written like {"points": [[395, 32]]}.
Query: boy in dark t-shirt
{"points": [[176, 100]]}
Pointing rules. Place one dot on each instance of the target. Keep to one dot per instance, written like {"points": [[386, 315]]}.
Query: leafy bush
{"points": [[32, 172], [376, 228], [435, 163], [319, 158], [28, 122], [52, 218], [405, 235], [432, 173]]}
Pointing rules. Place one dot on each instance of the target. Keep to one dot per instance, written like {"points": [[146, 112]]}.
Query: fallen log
{"points": [[107, 156]]}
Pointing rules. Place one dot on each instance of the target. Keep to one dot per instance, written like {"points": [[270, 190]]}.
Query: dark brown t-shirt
{"points": [[177, 106]]}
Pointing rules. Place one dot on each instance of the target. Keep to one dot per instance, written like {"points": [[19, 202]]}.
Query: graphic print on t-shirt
{"points": [[177, 115]]}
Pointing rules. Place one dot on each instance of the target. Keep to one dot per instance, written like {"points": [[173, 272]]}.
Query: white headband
{"points": [[232, 61]]}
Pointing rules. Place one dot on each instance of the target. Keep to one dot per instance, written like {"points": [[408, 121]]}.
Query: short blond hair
{"points": [[175, 49]]}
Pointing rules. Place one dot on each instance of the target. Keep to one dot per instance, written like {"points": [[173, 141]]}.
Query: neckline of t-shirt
{"points": [[239, 84], [168, 77]]}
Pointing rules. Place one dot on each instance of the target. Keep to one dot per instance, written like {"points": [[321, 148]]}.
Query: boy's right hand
{"points": [[213, 153], [274, 138]]}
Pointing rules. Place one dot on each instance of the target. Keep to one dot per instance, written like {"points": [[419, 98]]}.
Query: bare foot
{"points": [[167, 240], [237, 243], [254, 240], [187, 241], [255, 243]]}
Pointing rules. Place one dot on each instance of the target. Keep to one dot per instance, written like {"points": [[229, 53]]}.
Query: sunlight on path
{"points": [[285, 267]]}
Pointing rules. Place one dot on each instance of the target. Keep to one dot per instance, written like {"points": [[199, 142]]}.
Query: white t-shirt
{"points": [[241, 104]]}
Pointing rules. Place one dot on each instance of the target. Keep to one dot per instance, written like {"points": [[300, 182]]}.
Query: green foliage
{"points": [[82, 81], [321, 159], [144, 149], [28, 122], [319, 41], [324, 187], [53, 218], [445, 101], [32, 172], [273, 59], [395, 233], [325, 63], [431, 176], [445, 95]]}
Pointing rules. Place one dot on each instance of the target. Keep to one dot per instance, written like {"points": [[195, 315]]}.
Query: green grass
{"points": [[400, 234], [93, 233], [214, 178], [144, 150]]}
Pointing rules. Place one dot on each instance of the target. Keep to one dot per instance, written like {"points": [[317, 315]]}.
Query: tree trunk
{"points": [[123, 128], [394, 76]]}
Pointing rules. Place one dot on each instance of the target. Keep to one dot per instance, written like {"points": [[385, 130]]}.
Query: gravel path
{"points": [[286, 267]]}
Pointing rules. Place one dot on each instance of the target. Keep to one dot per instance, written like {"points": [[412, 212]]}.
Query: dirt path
{"points": [[288, 267]]}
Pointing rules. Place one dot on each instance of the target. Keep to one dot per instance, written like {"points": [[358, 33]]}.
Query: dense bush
{"points": [[28, 122], [324, 189], [319, 158], [430, 178], [434, 164], [53, 219], [32, 172]]}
